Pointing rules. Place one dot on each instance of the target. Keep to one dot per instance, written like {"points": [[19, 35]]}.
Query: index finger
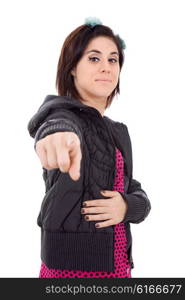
{"points": [[75, 156]]}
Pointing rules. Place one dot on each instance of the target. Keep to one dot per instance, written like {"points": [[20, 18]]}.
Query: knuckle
{"points": [[62, 166], [62, 163], [51, 162], [77, 141], [46, 166]]}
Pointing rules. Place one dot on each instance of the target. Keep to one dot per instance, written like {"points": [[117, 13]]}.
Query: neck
{"points": [[98, 104]]}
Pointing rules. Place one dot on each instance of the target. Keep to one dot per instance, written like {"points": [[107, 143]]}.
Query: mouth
{"points": [[103, 80]]}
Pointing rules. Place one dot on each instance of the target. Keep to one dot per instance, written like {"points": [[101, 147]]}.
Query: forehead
{"points": [[103, 44]]}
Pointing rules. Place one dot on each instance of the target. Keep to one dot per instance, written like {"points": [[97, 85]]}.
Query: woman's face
{"points": [[100, 61]]}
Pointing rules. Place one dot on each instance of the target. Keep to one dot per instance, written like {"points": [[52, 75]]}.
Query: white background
{"points": [[151, 103]]}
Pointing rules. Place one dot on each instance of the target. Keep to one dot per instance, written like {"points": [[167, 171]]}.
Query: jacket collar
{"points": [[70, 103]]}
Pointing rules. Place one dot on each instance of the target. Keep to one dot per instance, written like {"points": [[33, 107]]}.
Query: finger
{"points": [[51, 156], [97, 217], [108, 193], [76, 156], [105, 224], [98, 202], [63, 158], [42, 154], [95, 210]]}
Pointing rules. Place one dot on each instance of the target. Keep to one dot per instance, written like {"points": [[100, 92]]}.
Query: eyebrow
{"points": [[97, 51]]}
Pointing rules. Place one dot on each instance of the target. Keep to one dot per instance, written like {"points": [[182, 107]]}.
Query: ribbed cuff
{"points": [[56, 125], [138, 207]]}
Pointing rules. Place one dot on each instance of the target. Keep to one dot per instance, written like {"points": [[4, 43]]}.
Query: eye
{"points": [[94, 57], [113, 59]]}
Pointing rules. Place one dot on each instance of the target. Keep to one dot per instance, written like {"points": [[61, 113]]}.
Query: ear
{"points": [[73, 72]]}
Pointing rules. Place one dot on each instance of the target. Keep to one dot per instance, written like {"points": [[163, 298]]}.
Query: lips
{"points": [[103, 80]]}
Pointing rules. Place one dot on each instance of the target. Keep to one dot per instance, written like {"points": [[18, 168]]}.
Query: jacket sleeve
{"points": [[136, 198], [56, 121]]}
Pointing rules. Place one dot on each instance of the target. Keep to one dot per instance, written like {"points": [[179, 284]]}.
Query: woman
{"points": [[85, 231]]}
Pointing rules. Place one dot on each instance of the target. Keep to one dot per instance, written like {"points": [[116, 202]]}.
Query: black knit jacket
{"points": [[68, 241]]}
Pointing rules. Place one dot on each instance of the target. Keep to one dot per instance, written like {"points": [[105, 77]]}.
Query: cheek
{"points": [[117, 74], [86, 80], [86, 74]]}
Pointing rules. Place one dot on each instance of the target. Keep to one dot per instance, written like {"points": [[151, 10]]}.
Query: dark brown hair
{"points": [[72, 51]]}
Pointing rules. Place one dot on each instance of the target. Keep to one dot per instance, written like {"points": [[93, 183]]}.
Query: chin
{"points": [[103, 94]]}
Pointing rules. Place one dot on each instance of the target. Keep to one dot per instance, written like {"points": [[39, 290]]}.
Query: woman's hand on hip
{"points": [[112, 210]]}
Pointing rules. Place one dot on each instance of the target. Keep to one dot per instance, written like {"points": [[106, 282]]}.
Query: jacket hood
{"points": [[52, 102], [65, 100]]}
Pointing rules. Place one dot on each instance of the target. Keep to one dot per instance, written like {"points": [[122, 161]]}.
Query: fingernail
{"points": [[97, 225], [103, 192], [84, 204]]}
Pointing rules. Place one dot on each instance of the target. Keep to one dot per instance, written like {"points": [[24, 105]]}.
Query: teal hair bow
{"points": [[92, 21]]}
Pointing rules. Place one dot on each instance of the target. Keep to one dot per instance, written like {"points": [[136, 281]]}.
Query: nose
{"points": [[105, 66]]}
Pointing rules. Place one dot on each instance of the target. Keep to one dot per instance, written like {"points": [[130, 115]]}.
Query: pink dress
{"points": [[122, 266]]}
